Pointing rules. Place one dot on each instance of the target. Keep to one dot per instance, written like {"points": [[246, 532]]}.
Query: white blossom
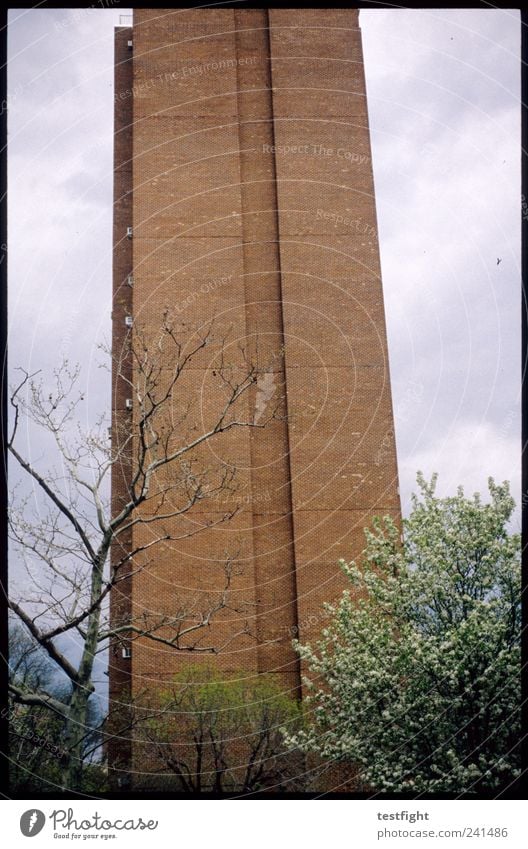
{"points": [[418, 682]]}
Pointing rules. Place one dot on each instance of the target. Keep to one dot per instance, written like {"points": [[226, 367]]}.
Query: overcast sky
{"points": [[444, 92]]}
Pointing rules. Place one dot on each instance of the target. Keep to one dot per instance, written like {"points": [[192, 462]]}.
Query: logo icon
{"points": [[265, 392], [32, 822]]}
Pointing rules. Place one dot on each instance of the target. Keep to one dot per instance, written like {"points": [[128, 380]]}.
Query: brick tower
{"points": [[244, 195]]}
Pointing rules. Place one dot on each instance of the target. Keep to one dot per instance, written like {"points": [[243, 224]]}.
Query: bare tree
{"points": [[64, 537]]}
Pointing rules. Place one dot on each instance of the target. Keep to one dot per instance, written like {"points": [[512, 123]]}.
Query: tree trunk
{"points": [[76, 729], [77, 723]]}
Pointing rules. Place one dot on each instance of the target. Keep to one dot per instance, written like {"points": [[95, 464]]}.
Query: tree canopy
{"points": [[416, 678], [221, 733]]}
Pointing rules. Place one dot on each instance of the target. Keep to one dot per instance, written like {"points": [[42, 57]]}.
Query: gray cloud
{"points": [[444, 95], [444, 112]]}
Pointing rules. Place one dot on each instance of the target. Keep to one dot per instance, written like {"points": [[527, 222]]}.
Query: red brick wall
{"points": [[253, 204], [119, 667]]}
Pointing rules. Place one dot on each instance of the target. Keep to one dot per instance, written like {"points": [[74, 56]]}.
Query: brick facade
{"points": [[243, 164]]}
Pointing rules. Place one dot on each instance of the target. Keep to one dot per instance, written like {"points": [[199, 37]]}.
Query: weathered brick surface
{"points": [[120, 689], [253, 206]]}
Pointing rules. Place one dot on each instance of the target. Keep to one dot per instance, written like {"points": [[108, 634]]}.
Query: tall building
{"points": [[244, 196]]}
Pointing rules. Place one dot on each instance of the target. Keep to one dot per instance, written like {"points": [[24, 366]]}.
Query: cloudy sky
{"points": [[444, 94]]}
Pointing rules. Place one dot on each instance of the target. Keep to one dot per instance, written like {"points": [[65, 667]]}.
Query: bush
{"points": [[417, 677]]}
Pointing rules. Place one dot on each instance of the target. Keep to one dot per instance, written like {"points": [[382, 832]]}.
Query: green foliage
{"points": [[417, 677], [38, 752], [35, 751], [222, 733]]}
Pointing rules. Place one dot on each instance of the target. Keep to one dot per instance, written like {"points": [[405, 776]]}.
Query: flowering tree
{"points": [[417, 677]]}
